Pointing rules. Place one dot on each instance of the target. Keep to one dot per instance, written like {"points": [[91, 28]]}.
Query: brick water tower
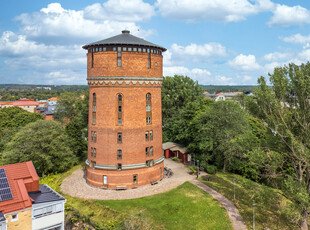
{"points": [[124, 75]]}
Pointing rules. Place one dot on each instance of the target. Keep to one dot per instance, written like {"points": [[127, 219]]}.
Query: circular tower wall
{"points": [[125, 125]]}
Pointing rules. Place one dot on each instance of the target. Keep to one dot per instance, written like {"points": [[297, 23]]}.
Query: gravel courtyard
{"points": [[76, 186]]}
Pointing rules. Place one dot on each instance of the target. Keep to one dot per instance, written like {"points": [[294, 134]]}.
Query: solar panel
{"points": [[5, 190]]}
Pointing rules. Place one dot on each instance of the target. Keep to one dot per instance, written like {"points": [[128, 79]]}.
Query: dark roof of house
{"points": [[45, 194], [125, 38], [2, 218]]}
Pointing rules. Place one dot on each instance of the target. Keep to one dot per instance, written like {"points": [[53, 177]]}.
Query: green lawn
{"points": [[269, 202], [186, 207]]}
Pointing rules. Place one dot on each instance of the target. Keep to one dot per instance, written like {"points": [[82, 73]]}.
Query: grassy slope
{"points": [[185, 207], [268, 201]]}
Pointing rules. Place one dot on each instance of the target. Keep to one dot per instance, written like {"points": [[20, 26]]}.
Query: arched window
{"points": [[94, 108], [148, 109], [119, 109]]}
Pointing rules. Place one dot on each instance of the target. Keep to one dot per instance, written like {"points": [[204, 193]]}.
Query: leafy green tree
{"points": [[45, 143], [221, 133], [285, 110], [72, 110], [13, 118], [177, 92]]}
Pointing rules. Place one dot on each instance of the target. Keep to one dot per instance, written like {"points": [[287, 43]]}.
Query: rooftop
{"points": [[45, 194], [174, 147], [22, 178], [125, 38]]}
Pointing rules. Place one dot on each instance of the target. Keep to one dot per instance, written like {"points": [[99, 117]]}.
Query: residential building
{"points": [[24, 103], [124, 75], [47, 111], [223, 96], [52, 100], [26, 205]]}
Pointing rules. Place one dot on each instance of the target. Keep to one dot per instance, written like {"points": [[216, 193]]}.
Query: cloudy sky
{"points": [[212, 41]]}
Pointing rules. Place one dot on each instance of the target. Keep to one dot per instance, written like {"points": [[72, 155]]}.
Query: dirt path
{"points": [[232, 211], [76, 186]]}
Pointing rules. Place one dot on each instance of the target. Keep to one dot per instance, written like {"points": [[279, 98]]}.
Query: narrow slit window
{"points": [[119, 109], [119, 166], [147, 153], [146, 136], [151, 150], [92, 60], [95, 152], [92, 151], [119, 154], [149, 61], [95, 136], [148, 108], [151, 135], [119, 56], [135, 178], [119, 138], [94, 108]]}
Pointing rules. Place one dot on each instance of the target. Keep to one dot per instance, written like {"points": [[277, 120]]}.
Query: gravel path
{"points": [[233, 213], [76, 186]]}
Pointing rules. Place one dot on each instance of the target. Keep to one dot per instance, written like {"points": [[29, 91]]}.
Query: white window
{"points": [[105, 180], [14, 217]]}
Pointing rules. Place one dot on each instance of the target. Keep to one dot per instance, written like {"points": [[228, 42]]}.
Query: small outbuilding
{"points": [[176, 150]]}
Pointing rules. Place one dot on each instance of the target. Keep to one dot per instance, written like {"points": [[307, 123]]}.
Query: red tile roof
{"points": [[22, 178], [27, 102], [53, 99]]}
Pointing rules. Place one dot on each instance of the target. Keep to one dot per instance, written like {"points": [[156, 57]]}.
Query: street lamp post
{"points": [[197, 169], [234, 188], [253, 216]]}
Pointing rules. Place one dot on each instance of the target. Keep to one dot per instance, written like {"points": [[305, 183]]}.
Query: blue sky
{"points": [[212, 41]]}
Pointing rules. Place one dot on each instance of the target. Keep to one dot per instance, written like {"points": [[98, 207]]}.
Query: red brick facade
{"points": [[133, 80]]}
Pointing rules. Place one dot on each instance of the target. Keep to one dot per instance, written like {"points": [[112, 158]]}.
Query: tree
{"points": [[177, 92], [221, 133], [72, 110], [285, 109], [13, 118], [45, 143]]}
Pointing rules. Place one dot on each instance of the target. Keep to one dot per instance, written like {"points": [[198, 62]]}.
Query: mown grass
{"points": [[186, 207], [269, 202]]}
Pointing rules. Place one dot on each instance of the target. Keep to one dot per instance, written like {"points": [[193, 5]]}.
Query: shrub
{"points": [[192, 168], [175, 159], [211, 169]]}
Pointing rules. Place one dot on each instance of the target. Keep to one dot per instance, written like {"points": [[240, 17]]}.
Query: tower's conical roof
{"points": [[125, 38]]}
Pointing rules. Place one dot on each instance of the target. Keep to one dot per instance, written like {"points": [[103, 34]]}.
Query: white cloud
{"points": [[216, 10], [41, 60], [206, 50], [305, 55], [286, 16], [277, 56], [70, 26], [120, 10], [178, 54], [297, 39], [244, 62], [203, 76]]}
